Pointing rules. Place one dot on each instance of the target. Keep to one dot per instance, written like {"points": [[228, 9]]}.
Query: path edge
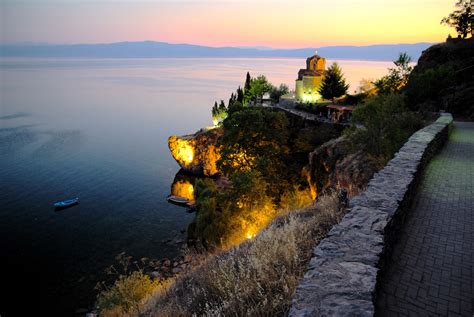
{"points": [[347, 266]]}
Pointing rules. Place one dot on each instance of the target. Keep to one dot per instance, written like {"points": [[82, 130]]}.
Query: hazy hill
{"points": [[161, 49]]}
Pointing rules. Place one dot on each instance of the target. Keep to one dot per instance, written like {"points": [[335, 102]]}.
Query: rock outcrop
{"points": [[197, 153], [443, 79], [333, 166]]}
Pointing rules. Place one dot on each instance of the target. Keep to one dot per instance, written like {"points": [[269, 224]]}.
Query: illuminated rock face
{"points": [[309, 80], [183, 186], [332, 166], [197, 153]]}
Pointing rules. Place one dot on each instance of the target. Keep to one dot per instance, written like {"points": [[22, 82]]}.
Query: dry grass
{"points": [[257, 277]]}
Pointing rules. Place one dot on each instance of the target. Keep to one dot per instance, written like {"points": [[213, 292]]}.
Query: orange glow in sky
{"points": [[290, 23]]}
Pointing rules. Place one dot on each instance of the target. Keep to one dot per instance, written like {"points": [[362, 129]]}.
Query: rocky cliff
{"points": [[197, 153], [444, 79], [332, 165]]}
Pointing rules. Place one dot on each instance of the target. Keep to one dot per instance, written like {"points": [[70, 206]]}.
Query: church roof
{"points": [[308, 72], [314, 56]]}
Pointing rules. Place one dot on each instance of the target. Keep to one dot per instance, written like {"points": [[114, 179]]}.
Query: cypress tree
{"points": [[232, 99], [247, 88], [248, 79], [222, 107], [240, 95], [215, 110]]}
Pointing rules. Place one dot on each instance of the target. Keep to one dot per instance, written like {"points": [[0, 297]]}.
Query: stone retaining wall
{"points": [[342, 276]]}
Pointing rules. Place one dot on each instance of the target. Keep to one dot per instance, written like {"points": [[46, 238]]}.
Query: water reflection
{"points": [[183, 185]]}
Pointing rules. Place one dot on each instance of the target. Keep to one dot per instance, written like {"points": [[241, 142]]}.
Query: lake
{"points": [[98, 130]]}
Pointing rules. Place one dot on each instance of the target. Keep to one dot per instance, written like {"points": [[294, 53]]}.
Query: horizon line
{"points": [[256, 47]]}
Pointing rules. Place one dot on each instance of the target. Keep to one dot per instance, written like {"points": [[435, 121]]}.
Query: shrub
{"points": [[126, 295], [228, 217], [384, 125], [277, 92]]}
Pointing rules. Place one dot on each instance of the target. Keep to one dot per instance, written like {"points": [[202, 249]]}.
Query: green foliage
{"points": [[248, 189], [461, 19], [307, 139], [258, 87], [355, 99], [253, 138], [277, 92], [248, 79], [247, 92], [386, 125], [334, 84], [430, 84], [316, 108], [219, 112], [210, 223], [223, 215], [397, 77], [232, 99], [240, 95], [127, 293], [235, 107]]}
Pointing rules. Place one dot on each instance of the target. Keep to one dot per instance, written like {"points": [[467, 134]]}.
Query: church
{"points": [[309, 80]]}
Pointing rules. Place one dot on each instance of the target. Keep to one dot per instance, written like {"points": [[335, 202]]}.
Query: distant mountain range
{"points": [[149, 49]]}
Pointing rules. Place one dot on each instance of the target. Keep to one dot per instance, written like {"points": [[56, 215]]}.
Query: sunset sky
{"points": [[290, 23]]}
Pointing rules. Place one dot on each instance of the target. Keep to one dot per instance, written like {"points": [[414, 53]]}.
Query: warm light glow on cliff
{"points": [[250, 235], [183, 188], [242, 161], [185, 151]]}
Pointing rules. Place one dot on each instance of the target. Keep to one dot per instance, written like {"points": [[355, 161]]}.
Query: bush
{"points": [[126, 295], [277, 92], [228, 217], [384, 125]]}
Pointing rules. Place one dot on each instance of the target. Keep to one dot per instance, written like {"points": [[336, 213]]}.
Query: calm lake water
{"points": [[98, 129]]}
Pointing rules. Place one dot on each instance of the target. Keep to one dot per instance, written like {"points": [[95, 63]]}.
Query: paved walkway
{"points": [[431, 272]]}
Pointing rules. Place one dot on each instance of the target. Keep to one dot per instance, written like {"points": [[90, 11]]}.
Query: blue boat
{"points": [[66, 203]]}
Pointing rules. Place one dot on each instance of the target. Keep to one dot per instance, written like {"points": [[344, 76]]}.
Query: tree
{"points": [[461, 19], [277, 92], [232, 99], [251, 136], [240, 95], [248, 78], [397, 77], [247, 93], [258, 87], [215, 113], [366, 86], [333, 85], [219, 112]]}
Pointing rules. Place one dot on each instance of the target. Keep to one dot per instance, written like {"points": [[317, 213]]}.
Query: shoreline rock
{"points": [[197, 153]]}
